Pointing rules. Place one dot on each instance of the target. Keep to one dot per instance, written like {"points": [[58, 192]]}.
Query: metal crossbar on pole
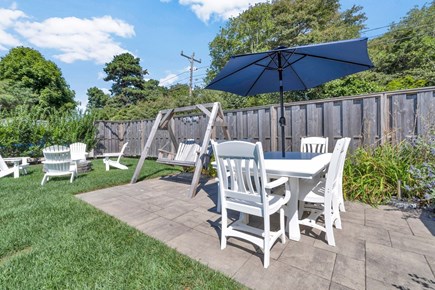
{"points": [[192, 61]]}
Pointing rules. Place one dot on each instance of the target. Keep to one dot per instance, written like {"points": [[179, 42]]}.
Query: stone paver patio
{"points": [[382, 248]]}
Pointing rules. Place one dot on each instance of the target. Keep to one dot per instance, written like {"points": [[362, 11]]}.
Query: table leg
{"points": [[16, 169], [294, 232]]}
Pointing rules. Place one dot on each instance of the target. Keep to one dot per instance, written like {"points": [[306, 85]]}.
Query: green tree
{"points": [[283, 22], [97, 99], [127, 76], [406, 53], [40, 79], [299, 22]]}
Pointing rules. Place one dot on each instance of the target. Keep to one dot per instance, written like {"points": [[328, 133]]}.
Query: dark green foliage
{"points": [[127, 76], [52, 240], [97, 99], [26, 131], [40, 80]]}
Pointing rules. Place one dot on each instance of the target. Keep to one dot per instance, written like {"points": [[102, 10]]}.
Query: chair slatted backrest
{"points": [[314, 144], [57, 158], [332, 178], [187, 151], [3, 165], [78, 151], [241, 172]]}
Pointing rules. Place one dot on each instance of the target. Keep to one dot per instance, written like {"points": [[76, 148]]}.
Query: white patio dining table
{"points": [[295, 166]]}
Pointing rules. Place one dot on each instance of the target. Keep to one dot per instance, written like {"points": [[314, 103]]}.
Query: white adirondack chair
{"points": [[323, 195], [314, 144], [78, 151], [20, 163], [116, 163], [244, 187], [57, 163]]}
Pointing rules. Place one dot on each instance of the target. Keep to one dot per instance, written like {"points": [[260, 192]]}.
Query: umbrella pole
{"points": [[281, 94]]}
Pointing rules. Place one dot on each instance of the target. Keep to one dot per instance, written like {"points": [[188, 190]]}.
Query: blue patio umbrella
{"points": [[291, 69]]}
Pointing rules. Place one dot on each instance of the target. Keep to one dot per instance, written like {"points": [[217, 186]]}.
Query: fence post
{"points": [[273, 129], [384, 117]]}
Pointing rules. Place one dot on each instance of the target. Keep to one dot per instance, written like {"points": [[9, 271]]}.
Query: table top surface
{"points": [[306, 168], [290, 155], [295, 164]]}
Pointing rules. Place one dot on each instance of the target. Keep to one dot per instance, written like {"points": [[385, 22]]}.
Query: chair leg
{"points": [[282, 224], [266, 241], [44, 179], [329, 229], [72, 177], [341, 198], [224, 229]]}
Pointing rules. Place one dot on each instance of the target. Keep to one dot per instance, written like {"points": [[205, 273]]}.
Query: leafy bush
{"points": [[25, 131], [423, 172]]}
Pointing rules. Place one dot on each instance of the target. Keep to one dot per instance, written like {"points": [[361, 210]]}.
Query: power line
{"points": [[396, 29], [176, 75]]}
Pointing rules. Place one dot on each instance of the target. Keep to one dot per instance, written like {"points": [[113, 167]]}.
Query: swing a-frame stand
{"points": [[164, 122]]}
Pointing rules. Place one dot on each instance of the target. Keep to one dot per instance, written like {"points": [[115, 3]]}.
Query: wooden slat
{"points": [[370, 131]]}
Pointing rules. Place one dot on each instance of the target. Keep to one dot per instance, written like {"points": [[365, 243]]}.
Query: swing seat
{"points": [[186, 156]]}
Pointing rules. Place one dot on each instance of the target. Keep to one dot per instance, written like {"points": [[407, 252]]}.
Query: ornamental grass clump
{"points": [[405, 170], [371, 175]]}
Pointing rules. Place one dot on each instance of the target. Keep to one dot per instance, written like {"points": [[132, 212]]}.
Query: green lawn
{"points": [[51, 240]]}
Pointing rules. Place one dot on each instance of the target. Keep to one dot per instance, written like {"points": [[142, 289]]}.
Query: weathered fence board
{"points": [[368, 120]]}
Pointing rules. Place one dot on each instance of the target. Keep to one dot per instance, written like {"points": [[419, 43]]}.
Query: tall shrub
{"points": [[25, 131]]}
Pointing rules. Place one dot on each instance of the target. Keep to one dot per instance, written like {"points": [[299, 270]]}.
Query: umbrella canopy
{"points": [[291, 69]]}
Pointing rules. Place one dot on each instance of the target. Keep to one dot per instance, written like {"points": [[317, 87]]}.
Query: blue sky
{"points": [[81, 36]]}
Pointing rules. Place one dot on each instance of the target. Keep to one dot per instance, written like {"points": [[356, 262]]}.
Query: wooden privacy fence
{"points": [[366, 119]]}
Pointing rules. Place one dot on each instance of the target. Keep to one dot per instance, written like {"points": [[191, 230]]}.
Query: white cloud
{"points": [[105, 90], [8, 18], [76, 38], [221, 9], [168, 80], [101, 75]]}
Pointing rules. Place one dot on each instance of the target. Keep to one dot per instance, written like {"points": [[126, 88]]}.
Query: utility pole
{"points": [[192, 60]]}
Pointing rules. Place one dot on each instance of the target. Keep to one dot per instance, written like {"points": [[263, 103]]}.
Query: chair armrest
{"points": [[276, 183], [166, 154]]}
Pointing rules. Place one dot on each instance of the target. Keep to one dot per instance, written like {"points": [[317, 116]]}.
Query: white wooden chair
{"points": [[114, 163], [339, 187], [57, 163], [244, 187], [20, 163], [78, 151], [323, 195], [186, 155], [314, 144]]}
